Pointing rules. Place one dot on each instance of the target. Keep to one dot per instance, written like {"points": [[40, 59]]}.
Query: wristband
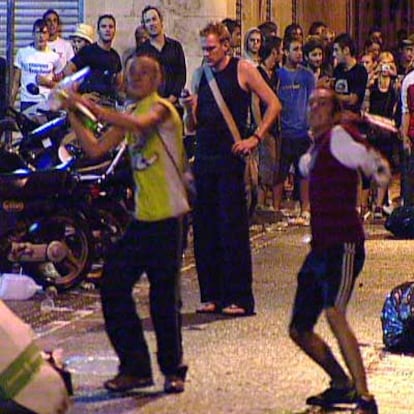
{"points": [[257, 137]]}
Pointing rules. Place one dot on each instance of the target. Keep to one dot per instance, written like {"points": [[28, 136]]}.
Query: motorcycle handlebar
{"points": [[47, 128]]}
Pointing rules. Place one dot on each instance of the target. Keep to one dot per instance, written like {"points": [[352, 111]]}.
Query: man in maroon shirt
{"points": [[327, 277]]}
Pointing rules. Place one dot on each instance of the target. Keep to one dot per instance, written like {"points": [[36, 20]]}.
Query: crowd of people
{"points": [[295, 103]]}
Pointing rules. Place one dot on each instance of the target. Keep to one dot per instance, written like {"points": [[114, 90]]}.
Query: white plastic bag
{"points": [[25, 377], [17, 287]]}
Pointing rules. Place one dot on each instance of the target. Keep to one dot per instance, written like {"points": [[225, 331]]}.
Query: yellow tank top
{"points": [[159, 192]]}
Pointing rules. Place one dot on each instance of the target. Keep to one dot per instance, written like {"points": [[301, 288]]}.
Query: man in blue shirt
{"points": [[294, 86]]}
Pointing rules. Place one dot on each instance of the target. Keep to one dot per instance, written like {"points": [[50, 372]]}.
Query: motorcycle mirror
{"points": [[33, 89]]}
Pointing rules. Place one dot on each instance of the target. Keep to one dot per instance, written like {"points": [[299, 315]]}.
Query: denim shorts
{"points": [[291, 151]]}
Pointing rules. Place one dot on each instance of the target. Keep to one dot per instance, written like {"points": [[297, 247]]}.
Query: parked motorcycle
{"points": [[103, 190], [107, 200], [41, 228]]}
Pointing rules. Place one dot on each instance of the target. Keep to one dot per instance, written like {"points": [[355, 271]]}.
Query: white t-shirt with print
{"points": [[34, 62], [63, 48]]}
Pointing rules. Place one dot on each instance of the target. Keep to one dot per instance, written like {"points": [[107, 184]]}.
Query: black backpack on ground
{"points": [[401, 222]]}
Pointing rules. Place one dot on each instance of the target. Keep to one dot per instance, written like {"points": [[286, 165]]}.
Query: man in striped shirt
{"points": [[327, 277]]}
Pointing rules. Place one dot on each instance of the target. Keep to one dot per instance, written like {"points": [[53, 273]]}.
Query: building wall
{"points": [[184, 18]]}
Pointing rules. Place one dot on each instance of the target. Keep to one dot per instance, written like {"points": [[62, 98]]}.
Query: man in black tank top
{"points": [[221, 231]]}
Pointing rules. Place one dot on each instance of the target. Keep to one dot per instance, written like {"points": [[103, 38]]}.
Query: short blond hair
{"points": [[218, 29], [150, 63]]}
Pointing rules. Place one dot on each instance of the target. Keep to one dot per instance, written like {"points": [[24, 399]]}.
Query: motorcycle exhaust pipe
{"points": [[54, 251]]}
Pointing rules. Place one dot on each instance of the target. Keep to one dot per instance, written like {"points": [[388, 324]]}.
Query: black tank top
{"points": [[382, 103], [214, 140]]}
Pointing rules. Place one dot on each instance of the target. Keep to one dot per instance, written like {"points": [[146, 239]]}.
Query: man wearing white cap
{"points": [[81, 37], [104, 61]]}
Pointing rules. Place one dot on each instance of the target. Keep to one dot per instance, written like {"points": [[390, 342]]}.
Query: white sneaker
{"points": [[388, 209], [378, 213]]}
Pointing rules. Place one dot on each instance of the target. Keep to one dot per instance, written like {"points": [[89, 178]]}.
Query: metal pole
{"points": [[239, 17], [9, 47], [9, 56]]}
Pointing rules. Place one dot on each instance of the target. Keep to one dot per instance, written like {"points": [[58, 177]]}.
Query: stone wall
{"points": [[182, 20]]}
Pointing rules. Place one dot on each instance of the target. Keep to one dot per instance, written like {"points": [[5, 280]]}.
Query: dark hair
{"points": [[345, 40], [370, 42], [51, 11], [312, 44], [269, 43], [374, 29], [39, 24], [147, 9], [288, 40], [316, 25], [231, 24], [267, 28], [292, 28], [105, 16]]}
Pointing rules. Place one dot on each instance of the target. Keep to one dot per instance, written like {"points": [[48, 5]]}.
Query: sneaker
{"points": [[174, 384], [387, 210], [125, 382], [364, 406], [332, 396]]}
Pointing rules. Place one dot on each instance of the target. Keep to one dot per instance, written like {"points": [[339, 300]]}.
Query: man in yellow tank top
{"points": [[152, 242]]}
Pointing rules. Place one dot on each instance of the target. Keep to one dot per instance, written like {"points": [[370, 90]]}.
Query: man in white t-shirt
{"points": [[59, 45], [36, 68]]}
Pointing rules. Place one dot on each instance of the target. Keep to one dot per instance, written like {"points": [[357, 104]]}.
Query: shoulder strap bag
{"points": [[251, 173], [186, 176]]}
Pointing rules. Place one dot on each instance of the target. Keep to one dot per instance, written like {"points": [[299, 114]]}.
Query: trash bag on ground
{"points": [[397, 318]]}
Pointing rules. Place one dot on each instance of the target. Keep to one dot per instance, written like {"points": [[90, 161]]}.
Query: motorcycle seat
{"points": [[35, 184]]}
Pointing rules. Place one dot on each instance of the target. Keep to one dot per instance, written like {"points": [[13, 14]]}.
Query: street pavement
{"points": [[242, 365]]}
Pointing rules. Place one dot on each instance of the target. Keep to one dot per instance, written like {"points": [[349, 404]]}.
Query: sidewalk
{"points": [[247, 365]]}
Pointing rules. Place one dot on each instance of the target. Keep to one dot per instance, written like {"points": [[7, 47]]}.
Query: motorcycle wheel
{"points": [[111, 221], [73, 269]]}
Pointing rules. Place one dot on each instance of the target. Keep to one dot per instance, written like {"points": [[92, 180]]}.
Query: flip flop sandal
{"points": [[207, 307], [234, 310]]}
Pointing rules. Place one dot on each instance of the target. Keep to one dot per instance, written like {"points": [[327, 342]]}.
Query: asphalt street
{"points": [[240, 365]]}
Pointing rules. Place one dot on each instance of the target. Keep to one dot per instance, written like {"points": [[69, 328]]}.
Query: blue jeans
{"points": [[154, 248]]}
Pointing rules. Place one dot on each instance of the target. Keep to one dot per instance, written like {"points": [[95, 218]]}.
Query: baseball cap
{"points": [[409, 41], [84, 31]]}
